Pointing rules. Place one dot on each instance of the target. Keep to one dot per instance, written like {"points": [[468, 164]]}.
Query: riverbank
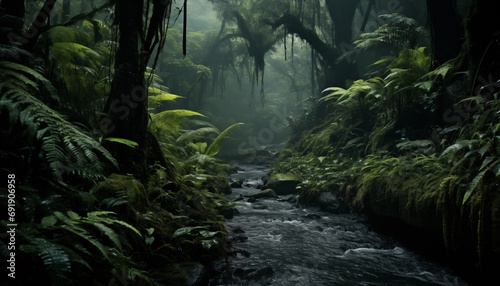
{"points": [[278, 241], [411, 198]]}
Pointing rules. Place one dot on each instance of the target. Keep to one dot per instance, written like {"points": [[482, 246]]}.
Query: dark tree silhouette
{"points": [[446, 30], [128, 100]]}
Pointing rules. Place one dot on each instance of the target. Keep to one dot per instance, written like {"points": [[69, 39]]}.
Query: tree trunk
{"points": [[342, 14], [446, 30], [127, 104], [482, 34]]}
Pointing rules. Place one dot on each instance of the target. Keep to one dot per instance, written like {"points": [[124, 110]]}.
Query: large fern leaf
{"points": [[66, 149]]}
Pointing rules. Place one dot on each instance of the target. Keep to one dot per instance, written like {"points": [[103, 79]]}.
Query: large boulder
{"points": [[283, 184]]}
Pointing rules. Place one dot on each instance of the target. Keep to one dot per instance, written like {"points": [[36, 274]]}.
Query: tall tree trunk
{"points": [[446, 30], [127, 103], [126, 108], [342, 14], [482, 36]]}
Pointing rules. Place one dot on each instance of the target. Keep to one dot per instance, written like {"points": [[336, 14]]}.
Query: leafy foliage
{"points": [[66, 149], [66, 242], [79, 66], [398, 33]]}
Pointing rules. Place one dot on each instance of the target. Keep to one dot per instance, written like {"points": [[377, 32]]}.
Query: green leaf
{"points": [[73, 215], [150, 230], [213, 149], [207, 244], [149, 240], [473, 185], [49, 221], [208, 234], [124, 141], [185, 230]]}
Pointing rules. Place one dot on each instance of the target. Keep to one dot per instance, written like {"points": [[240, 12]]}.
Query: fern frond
{"points": [[191, 135], [103, 216], [58, 34], [55, 258], [169, 121], [66, 149], [399, 32], [109, 233]]}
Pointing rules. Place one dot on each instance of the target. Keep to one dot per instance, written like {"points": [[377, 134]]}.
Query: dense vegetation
{"points": [[114, 117]]}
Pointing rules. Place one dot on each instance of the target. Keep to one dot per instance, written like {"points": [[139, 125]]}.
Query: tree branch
{"points": [[293, 25]]}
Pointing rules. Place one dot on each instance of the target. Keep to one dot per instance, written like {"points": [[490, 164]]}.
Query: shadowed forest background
{"points": [[121, 121]]}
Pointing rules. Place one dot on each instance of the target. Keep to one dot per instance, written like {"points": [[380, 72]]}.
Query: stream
{"points": [[276, 242]]}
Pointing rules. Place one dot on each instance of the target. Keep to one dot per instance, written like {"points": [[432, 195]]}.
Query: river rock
{"points": [[267, 193], [282, 184], [254, 274], [259, 207], [329, 202], [229, 213], [255, 184], [236, 184]]}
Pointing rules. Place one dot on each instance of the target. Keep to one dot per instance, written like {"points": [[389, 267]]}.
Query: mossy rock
{"points": [[283, 184], [267, 193]]}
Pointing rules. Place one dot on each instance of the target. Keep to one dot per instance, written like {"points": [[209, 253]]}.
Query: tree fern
{"points": [[66, 149]]}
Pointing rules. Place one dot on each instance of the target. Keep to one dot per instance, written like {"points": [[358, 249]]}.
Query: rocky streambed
{"points": [[275, 241]]}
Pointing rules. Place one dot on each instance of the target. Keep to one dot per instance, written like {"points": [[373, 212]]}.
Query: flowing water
{"points": [[279, 243]]}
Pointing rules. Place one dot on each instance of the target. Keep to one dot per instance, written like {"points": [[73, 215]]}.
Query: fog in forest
{"points": [[221, 77]]}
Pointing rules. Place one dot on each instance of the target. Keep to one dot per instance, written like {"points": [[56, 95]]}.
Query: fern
{"points": [[73, 223], [56, 259], [169, 121], [199, 133], [157, 96], [66, 149], [398, 33]]}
